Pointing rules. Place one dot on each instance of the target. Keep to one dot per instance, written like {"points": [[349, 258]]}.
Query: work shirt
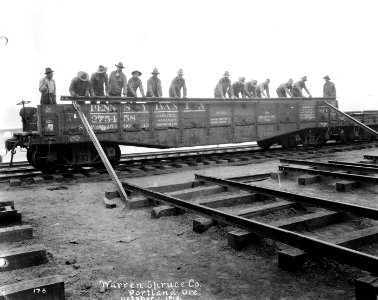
{"points": [[97, 82], [79, 87], [284, 87], [238, 87], [175, 88], [117, 82], [261, 87], [154, 87], [329, 90], [47, 86], [250, 90], [297, 88], [134, 84], [224, 84]]}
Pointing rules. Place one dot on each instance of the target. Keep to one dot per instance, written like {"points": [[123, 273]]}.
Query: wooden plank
{"points": [[6, 203], [102, 154], [240, 239], [10, 217], [264, 209], [231, 200], [358, 238], [45, 288], [311, 221], [8, 208], [16, 233], [8, 211], [23, 257], [293, 258]]}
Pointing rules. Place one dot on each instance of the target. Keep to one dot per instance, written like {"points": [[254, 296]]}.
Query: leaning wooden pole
{"points": [[362, 125], [102, 154]]}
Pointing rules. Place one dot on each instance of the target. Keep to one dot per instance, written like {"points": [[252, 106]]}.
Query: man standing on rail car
{"points": [[177, 83], [97, 82], [298, 86], [47, 88], [223, 87], [285, 88], [329, 89], [250, 88], [238, 87], [135, 83], [262, 87], [154, 85], [117, 82], [80, 85]]}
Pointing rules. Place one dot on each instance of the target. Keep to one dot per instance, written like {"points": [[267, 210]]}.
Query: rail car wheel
{"points": [[39, 159], [264, 145], [288, 142], [320, 140], [366, 136], [347, 137], [113, 152]]}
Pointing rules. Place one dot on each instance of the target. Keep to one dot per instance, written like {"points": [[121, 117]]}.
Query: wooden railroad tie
{"points": [[45, 288]]}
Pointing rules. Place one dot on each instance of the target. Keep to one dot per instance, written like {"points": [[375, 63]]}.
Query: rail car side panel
{"points": [[183, 123]]}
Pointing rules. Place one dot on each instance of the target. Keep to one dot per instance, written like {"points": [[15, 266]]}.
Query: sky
{"points": [[255, 39]]}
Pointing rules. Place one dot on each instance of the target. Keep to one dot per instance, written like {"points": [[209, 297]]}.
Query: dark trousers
{"points": [[297, 93], [258, 93], [48, 99], [281, 94]]}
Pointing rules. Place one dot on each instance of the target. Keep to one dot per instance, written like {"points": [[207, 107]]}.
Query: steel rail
{"points": [[318, 247], [373, 157], [102, 154], [337, 162], [15, 169], [362, 125], [333, 205], [20, 175], [328, 165], [362, 178], [5, 165], [183, 100]]}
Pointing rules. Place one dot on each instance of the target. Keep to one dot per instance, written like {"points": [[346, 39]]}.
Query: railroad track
{"points": [[142, 164], [307, 223]]}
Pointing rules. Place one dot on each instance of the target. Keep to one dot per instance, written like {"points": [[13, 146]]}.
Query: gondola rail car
{"points": [[54, 135]]}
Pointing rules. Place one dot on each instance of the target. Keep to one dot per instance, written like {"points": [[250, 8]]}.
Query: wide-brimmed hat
{"points": [[226, 74], [48, 70], [83, 76], [120, 64], [101, 69], [242, 78], [180, 71], [326, 77], [304, 78], [136, 72], [155, 71]]}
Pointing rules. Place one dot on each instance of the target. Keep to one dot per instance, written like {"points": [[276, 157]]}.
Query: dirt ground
{"points": [[163, 258]]}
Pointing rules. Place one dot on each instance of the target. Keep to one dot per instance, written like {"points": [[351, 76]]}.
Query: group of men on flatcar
{"points": [[116, 85], [251, 89]]}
